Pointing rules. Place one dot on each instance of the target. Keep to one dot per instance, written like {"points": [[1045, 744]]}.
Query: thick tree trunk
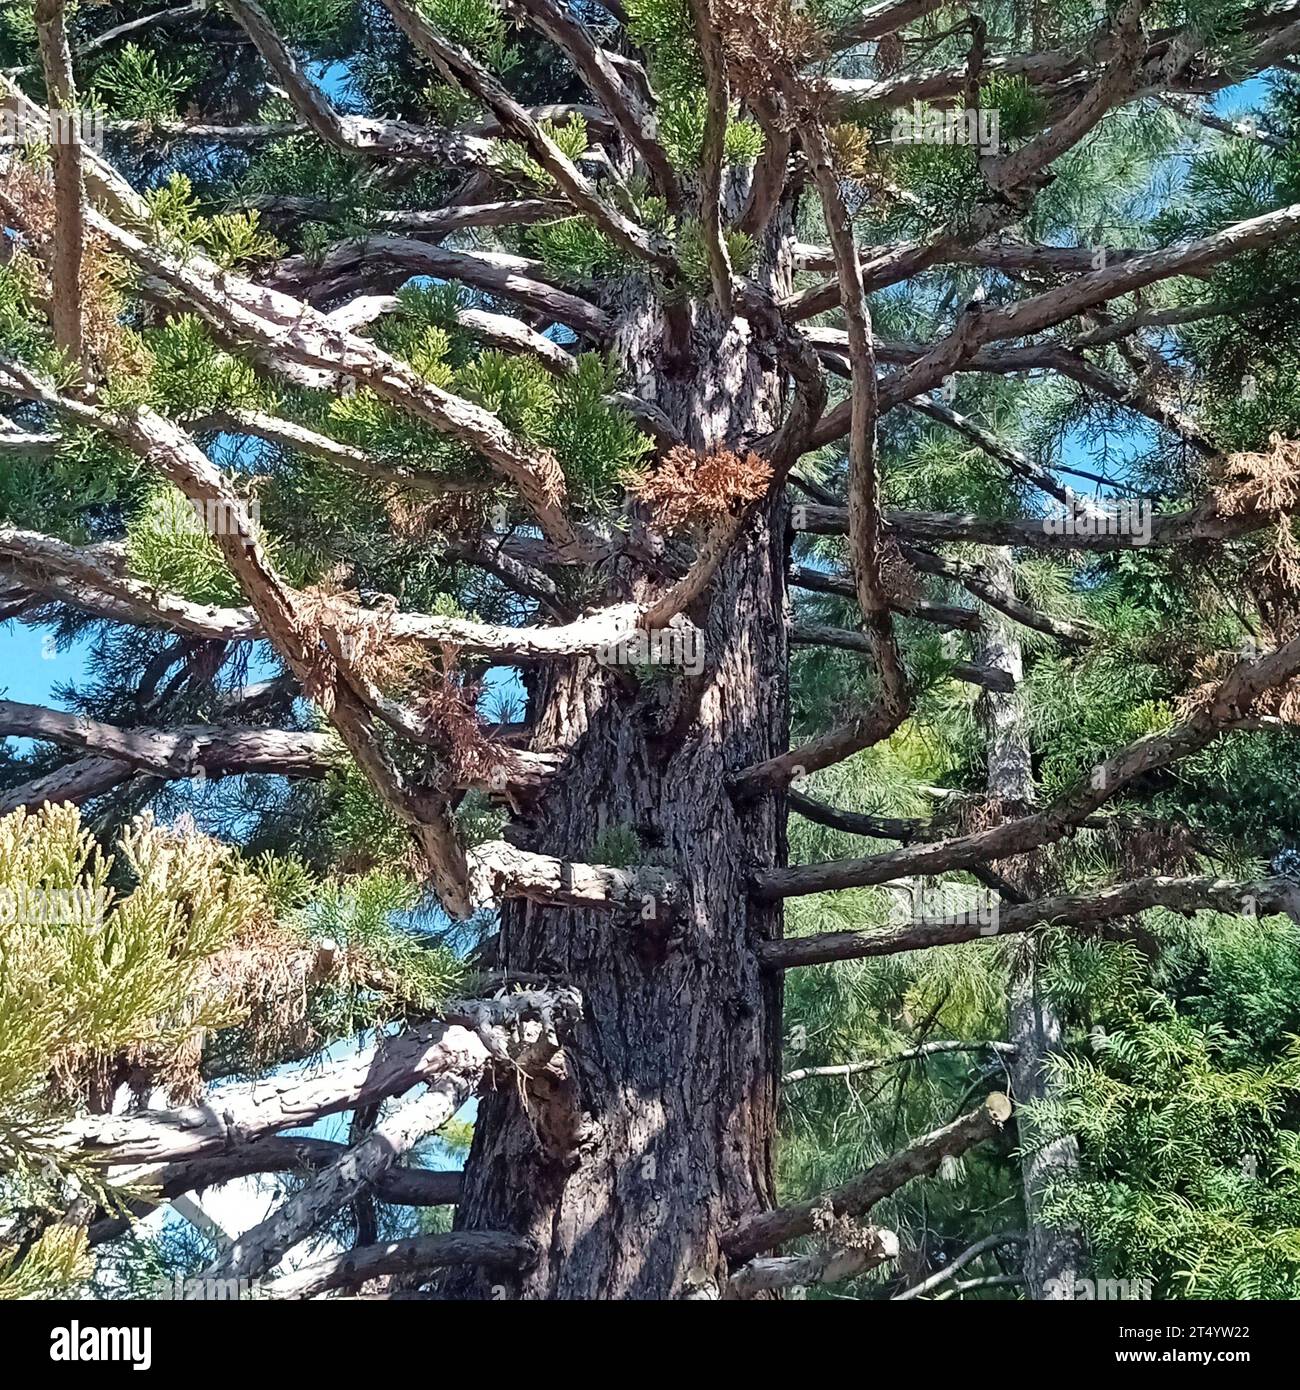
{"points": [[1051, 1254], [626, 1176]]}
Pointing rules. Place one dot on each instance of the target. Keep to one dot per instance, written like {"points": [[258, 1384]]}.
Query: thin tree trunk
{"points": [[1051, 1255]]}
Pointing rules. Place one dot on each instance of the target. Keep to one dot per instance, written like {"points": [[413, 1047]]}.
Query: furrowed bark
{"points": [[69, 180], [625, 1177]]}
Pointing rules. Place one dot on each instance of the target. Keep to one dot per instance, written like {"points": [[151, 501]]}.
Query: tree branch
{"points": [[496, 1250], [1231, 702], [69, 232], [1186, 895], [908, 1054], [456, 66], [768, 1229]]}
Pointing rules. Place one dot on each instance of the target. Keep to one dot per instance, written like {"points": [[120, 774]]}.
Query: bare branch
{"points": [[210, 750], [282, 328], [871, 1248], [406, 1187], [499, 870], [980, 326], [1184, 895], [768, 1229], [457, 66], [415, 1255], [262, 1247], [959, 1262], [908, 1054], [381, 261], [596, 68], [1231, 702], [712, 154]]}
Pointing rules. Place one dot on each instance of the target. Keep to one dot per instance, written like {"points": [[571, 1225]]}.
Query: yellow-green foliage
{"points": [[88, 973], [229, 238], [167, 545], [514, 161], [57, 1262]]}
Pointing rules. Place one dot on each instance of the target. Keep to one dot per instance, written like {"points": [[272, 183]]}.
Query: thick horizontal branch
{"points": [[405, 1187], [381, 262], [498, 870], [496, 1250], [908, 1054], [210, 750], [1108, 529], [978, 326], [772, 1228], [95, 578], [870, 1249], [1187, 895], [238, 1116], [92, 578], [246, 1113], [76, 782], [1229, 705]]}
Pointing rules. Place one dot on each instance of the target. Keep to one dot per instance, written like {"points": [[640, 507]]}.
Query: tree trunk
{"points": [[1051, 1254], [626, 1176]]}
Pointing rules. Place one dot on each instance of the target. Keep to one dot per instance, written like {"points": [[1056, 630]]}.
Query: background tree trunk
{"points": [[1051, 1255]]}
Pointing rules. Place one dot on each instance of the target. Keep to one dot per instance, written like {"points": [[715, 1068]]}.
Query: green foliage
{"points": [[478, 25], [681, 129], [1021, 111], [666, 31], [310, 21], [513, 161], [229, 238], [575, 248], [618, 845], [139, 85], [693, 257], [167, 545], [1187, 1120], [366, 915], [191, 375], [88, 973]]}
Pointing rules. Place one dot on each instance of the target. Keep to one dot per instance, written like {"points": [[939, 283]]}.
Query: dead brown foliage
{"points": [[110, 348], [690, 488]]}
